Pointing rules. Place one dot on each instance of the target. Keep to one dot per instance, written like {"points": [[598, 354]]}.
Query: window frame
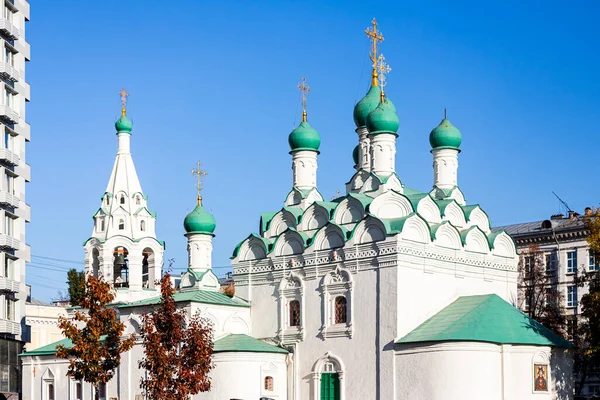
{"points": [[572, 296], [571, 261], [337, 283], [593, 261], [291, 288]]}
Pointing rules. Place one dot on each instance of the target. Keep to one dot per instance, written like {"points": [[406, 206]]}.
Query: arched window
{"points": [[294, 313], [269, 383], [122, 199], [137, 200], [142, 226], [102, 225], [340, 310], [121, 224], [50, 389], [107, 199]]}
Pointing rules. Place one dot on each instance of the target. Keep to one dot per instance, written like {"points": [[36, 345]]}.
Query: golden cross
{"points": [[199, 172], [304, 90], [375, 37], [383, 69], [124, 96]]}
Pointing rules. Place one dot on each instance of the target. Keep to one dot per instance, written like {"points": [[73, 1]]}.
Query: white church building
{"points": [[386, 292]]}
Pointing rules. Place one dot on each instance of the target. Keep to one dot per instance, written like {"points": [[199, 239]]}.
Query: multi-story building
{"points": [[561, 245], [15, 213]]}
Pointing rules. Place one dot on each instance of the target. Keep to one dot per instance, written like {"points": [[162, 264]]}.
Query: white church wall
{"points": [[487, 371], [240, 375], [449, 279], [449, 371], [368, 353], [520, 375]]}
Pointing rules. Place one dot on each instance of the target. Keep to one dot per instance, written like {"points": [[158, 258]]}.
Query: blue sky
{"points": [[216, 81]]}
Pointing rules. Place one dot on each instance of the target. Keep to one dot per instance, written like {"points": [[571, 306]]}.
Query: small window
{"points": [[121, 224], [529, 262], [102, 225], [107, 199], [572, 261], [594, 263], [340, 310], [142, 226], [294, 313], [78, 391], [269, 383], [51, 391], [571, 296], [9, 309], [138, 200], [122, 201]]}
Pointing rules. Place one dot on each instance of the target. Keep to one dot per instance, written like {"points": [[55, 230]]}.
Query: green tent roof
{"points": [[196, 296], [484, 318], [245, 343], [49, 348]]}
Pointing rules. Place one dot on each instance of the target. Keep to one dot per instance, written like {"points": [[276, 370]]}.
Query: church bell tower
{"points": [[123, 247]]}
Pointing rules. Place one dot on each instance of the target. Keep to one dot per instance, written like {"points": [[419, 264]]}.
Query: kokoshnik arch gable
{"points": [[386, 292]]}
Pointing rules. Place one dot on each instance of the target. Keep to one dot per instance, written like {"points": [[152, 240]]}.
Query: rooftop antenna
{"points": [[563, 203]]}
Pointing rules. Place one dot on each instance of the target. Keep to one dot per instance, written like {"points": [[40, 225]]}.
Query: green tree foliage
{"points": [[587, 337], [76, 282], [95, 332], [177, 352]]}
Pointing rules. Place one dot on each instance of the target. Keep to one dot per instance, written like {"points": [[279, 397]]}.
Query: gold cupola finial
{"points": [[383, 69], [124, 96], [304, 91], [375, 36], [199, 173]]}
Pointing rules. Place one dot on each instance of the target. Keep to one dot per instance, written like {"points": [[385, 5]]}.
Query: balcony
{"points": [[10, 327], [8, 29], [8, 285], [9, 199], [9, 242], [9, 114], [9, 157], [9, 72]]}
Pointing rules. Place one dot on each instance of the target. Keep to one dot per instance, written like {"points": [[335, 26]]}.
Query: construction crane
{"points": [[563, 203]]}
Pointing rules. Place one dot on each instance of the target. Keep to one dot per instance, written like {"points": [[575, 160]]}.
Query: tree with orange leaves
{"points": [[95, 332], [177, 353]]}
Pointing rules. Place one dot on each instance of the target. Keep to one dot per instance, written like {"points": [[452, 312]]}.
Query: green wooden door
{"points": [[330, 387]]}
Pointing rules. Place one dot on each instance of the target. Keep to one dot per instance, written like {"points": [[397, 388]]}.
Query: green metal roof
{"points": [[484, 318], [196, 296], [245, 343], [48, 349]]}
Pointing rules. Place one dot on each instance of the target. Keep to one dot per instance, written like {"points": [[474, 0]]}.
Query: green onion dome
{"points": [[383, 119], [123, 125], [367, 104], [304, 137], [355, 155], [445, 136], [199, 221]]}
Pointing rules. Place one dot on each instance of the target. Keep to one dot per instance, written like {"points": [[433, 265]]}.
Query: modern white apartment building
{"points": [[14, 212]]}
